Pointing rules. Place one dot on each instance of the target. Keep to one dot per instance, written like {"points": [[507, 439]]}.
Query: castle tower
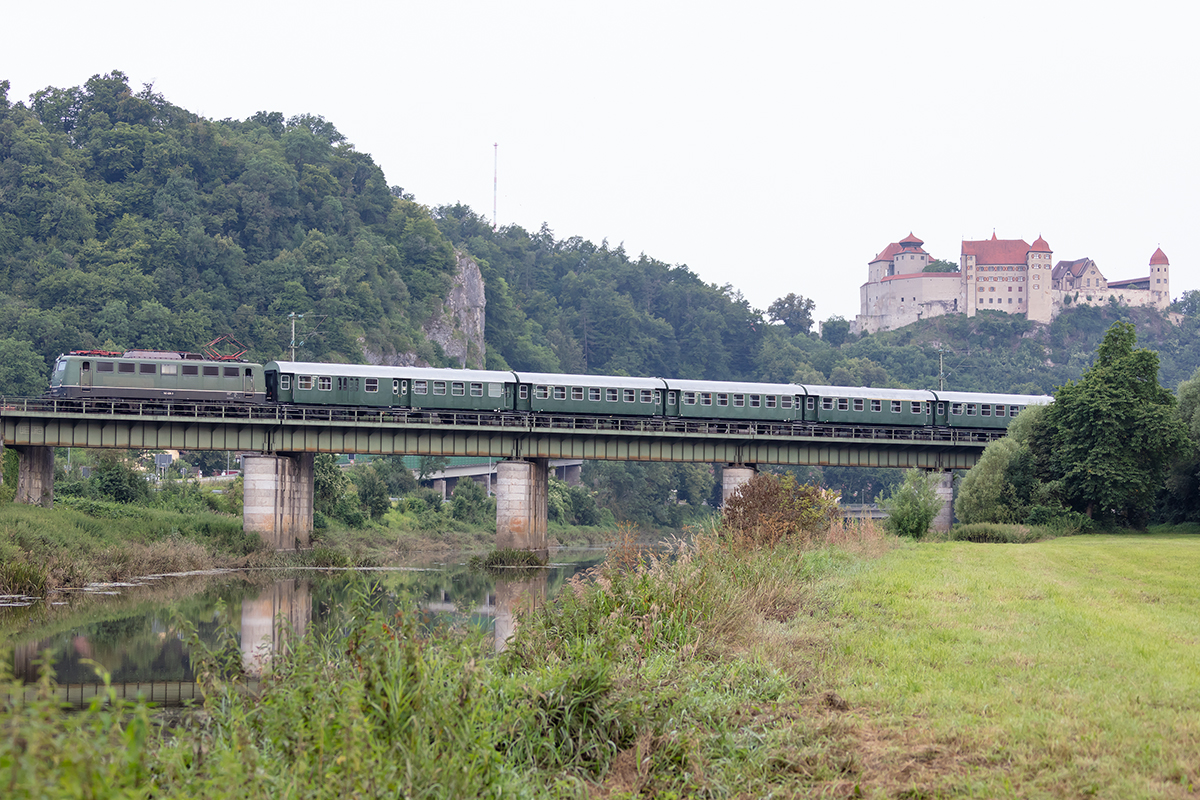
{"points": [[1160, 280], [1039, 300]]}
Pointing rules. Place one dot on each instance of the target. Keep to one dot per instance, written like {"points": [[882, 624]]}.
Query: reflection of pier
{"points": [[511, 597], [266, 622]]}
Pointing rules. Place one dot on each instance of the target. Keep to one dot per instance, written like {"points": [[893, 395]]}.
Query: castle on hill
{"points": [[1006, 275]]}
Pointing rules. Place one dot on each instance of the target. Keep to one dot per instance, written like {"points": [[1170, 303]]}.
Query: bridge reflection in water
{"points": [[154, 662]]}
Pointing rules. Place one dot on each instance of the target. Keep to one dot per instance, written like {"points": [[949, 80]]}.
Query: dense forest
{"points": [[126, 221]]}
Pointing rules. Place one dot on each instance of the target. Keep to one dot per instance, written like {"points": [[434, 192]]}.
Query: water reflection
{"points": [[141, 634]]}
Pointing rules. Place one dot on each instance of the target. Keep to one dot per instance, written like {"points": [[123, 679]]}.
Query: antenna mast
{"points": [[495, 180]]}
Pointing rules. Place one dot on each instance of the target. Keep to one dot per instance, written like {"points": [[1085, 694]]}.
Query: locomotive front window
{"points": [[739, 400], [542, 393], [147, 369], [372, 385], [770, 399], [477, 390], [706, 398], [169, 369], [439, 387], [106, 366], [458, 389], [576, 392], [304, 382], [896, 406], [560, 393], [843, 404], [285, 382], [877, 406], [125, 367], [209, 372], [189, 370], [231, 372], [827, 404], [629, 395], [956, 409], [610, 395], [324, 383], [62, 365], [647, 396], [594, 394], [859, 404]]}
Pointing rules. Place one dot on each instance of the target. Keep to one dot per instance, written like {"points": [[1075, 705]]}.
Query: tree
{"points": [[794, 311], [912, 505], [1110, 437], [22, 370], [941, 265], [372, 492], [330, 484], [835, 330]]}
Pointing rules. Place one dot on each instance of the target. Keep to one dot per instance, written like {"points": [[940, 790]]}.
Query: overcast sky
{"points": [[773, 146]]}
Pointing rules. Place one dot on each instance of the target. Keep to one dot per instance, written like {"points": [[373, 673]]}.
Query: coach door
{"points": [[85, 376]]}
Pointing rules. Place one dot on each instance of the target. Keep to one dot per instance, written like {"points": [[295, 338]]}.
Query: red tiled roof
{"points": [[1159, 257], [887, 253], [1039, 246], [910, 239], [997, 251]]}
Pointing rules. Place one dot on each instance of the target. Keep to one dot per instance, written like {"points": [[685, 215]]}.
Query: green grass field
{"points": [[1067, 668]]}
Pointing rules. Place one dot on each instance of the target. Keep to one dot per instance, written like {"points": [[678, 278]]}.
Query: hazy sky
{"points": [[773, 146]]}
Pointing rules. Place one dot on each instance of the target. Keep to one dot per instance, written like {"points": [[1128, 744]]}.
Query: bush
{"points": [[994, 533], [912, 505], [769, 509]]}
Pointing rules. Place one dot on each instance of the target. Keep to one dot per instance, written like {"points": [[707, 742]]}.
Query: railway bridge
{"points": [[279, 479]]}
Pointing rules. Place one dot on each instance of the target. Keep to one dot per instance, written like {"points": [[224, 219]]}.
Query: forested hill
{"points": [[126, 221]]}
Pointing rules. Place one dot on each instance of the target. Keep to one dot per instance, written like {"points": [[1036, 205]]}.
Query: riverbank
{"points": [[91, 541]]}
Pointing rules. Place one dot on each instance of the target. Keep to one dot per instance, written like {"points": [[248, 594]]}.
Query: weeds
{"points": [[770, 509]]}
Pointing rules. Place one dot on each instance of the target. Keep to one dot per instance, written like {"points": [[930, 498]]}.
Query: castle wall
{"points": [[903, 299]]}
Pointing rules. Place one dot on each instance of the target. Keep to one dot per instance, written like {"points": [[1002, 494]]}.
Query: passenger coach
{"points": [[403, 387]]}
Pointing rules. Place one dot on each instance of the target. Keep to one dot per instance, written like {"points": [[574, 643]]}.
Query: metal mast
{"points": [[495, 181]]}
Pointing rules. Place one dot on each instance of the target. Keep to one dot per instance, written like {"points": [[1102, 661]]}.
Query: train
{"points": [[177, 376]]}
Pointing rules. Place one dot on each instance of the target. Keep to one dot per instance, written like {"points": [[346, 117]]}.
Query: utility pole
{"points": [[495, 182], [941, 370], [294, 316]]}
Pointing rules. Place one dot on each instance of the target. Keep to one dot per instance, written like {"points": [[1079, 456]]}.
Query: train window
{"points": [[420, 387], [877, 405], [610, 395], [524, 392], [560, 393], [231, 372], [722, 399], [769, 401], [706, 398], [941, 409], [107, 366], [324, 383], [970, 409], [354, 383], [629, 395], [125, 367], [843, 404], [439, 387], [739, 400], [304, 382], [985, 410], [646, 396], [859, 404], [689, 398], [372, 385], [61, 366], [576, 392], [915, 407], [1014, 410], [896, 406], [956, 409], [147, 369], [209, 372], [784, 402], [827, 404], [811, 403], [999, 411], [169, 369], [343, 384], [477, 390], [188, 370], [458, 388], [594, 394], [672, 398], [285, 383], [658, 397], [541, 393]]}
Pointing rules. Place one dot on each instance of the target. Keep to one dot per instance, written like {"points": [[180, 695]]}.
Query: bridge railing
{"points": [[133, 410]]}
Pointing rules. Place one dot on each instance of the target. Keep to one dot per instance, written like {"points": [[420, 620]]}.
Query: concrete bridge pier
{"points": [[278, 503], [35, 476], [945, 493], [733, 477], [522, 500]]}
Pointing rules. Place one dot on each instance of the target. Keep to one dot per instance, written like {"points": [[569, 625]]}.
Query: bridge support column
{"points": [[945, 493], [733, 477], [522, 499], [278, 502], [35, 476]]}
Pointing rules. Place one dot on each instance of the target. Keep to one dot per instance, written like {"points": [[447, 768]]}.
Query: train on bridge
{"points": [[171, 376]]}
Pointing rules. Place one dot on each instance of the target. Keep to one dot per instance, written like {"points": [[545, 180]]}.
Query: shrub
{"points": [[994, 533], [770, 508], [912, 505]]}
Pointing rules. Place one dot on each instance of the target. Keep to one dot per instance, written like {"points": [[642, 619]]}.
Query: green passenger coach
{"points": [[306, 383], [590, 394], [733, 400]]}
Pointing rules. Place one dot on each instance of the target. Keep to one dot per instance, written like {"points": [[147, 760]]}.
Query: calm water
{"points": [[139, 631]]}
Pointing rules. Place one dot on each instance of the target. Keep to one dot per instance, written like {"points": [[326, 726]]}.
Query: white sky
{"points": [[776, 147]]}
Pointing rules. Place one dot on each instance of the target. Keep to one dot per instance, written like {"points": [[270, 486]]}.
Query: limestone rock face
{"points": [[457, 328]]}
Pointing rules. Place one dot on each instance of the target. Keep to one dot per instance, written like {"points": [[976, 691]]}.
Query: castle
{"points": [[1006, 275]]}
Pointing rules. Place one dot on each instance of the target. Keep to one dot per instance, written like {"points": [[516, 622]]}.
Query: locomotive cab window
{"points": [[62, 366]]}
